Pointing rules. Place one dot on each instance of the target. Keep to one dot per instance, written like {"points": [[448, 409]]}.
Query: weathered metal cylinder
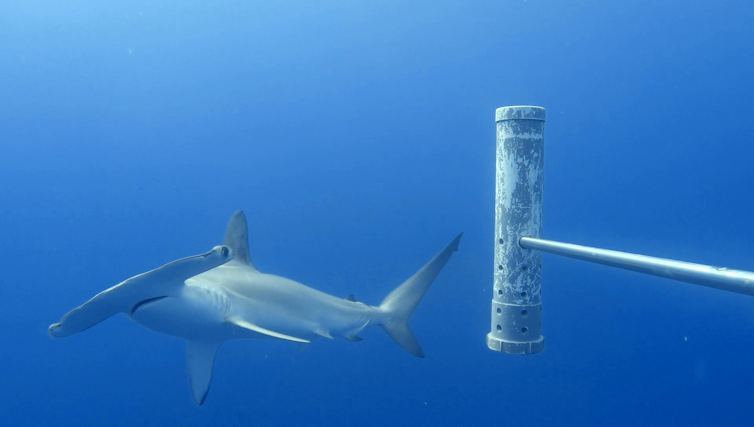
{"points": [[517, 302]]}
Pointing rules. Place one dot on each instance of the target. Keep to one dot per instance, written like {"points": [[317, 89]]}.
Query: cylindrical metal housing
{"points": [[516, 304]]}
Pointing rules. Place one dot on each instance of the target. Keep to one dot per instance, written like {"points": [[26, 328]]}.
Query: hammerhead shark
{"points": [[220, 295]]}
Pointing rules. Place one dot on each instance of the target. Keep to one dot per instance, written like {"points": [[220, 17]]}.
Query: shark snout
{"points": [[54, 330]]}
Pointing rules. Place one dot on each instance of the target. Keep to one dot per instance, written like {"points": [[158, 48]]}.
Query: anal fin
{"points": [[353, 336], [258, 329]]}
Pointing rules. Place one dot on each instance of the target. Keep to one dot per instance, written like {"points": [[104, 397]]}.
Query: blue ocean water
{"points": [[359, 139]]}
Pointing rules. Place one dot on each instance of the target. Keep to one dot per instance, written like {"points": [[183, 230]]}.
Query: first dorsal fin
{"points": [[237, 238], [351, 298]]}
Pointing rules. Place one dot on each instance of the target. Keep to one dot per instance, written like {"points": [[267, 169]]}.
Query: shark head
{"points": [[165, 281]]}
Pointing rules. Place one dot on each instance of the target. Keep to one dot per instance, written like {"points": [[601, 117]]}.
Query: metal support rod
{"points": [[516, 317], [741, 282]]}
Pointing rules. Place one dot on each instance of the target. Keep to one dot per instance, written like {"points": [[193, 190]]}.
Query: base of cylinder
{"points": [[514, 347]]}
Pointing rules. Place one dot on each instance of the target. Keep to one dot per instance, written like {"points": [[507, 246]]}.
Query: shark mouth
{"points": [[141, 304]]}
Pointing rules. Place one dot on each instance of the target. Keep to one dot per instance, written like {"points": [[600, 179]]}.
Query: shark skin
{"points": [[211, 298]]}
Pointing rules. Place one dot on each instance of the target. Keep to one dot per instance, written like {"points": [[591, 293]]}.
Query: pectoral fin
{"points": [[252, 327], [200, 356]]}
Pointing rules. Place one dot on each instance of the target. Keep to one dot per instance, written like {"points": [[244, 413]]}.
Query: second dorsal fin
{"points": [[351, 298]]}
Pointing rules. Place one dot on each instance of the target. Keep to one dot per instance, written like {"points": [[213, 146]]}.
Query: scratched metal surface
{"points": [[516, 304]]}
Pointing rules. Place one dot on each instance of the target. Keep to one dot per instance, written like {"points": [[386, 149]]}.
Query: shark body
{"points": [[210, 298]]}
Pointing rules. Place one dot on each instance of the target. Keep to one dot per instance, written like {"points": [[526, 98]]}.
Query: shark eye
{"points": [[224, 252]]}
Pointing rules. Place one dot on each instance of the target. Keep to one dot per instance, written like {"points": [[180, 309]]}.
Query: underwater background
{"points": [[359, 138]]}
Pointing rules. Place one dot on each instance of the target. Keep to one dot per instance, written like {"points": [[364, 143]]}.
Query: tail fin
{"points": [[401, 303]]}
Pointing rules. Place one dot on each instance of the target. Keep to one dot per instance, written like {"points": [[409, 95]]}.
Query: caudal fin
{"points": [[401, 303]]}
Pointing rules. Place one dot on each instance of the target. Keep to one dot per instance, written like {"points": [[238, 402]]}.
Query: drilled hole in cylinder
{"points": [[501, 241], [499, 292], [500, 267], [499, 310], [524, 330], [524, 313], [524, 295], [499, 328], [524, 267]]}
